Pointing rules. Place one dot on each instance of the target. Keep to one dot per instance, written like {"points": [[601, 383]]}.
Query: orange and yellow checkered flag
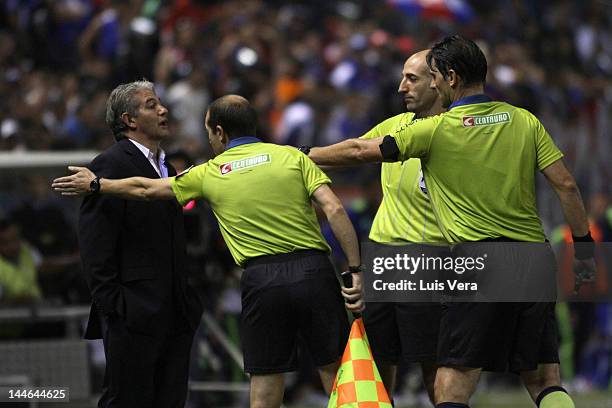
{"points": [[358, 383]]}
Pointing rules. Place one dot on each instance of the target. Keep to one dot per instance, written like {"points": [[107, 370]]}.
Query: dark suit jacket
{"points": [[133, 253]]}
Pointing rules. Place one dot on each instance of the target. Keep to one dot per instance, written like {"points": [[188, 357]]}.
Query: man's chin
{"points": [[410, 107]]}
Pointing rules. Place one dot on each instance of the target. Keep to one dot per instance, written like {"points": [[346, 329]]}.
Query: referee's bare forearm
{"points": [[345, 234], [138, 188], [573, 209], [339, 223], [348, 152], [564, 184]]}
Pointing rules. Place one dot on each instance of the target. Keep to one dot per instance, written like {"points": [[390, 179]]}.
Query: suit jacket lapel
{"points": [[171, 170], [145, 168]]}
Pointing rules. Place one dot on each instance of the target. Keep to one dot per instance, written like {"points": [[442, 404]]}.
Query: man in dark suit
{"points": [[133, 257]]}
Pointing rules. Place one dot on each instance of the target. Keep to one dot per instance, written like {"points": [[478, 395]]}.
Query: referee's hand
{"points": [[353, 296], [77, 184], [584, 272]]}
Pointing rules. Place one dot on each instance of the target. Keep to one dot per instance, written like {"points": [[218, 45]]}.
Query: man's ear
{"points": [[453, 79], [221, 132], [128, 120]]}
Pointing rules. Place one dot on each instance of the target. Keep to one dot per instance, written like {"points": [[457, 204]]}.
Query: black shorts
{"points": [[503, 336], [402, 331], [286, 296], [405, 331], [498, 336]]}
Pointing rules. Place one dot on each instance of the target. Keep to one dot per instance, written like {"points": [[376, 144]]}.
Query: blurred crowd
{"points": [[317, 71]]}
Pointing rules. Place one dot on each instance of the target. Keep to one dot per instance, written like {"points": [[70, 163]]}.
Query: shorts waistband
{"points": [[277, 258], [505, 239], [498, 239]]}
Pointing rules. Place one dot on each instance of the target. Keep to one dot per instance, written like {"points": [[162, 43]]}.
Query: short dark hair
{"points": [[461, 55], [234, 114]]}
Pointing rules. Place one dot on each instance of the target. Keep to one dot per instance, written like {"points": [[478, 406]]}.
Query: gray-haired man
{"points": [[133, 258]]}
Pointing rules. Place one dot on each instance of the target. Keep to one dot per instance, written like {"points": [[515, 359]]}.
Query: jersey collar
{"points": [[242, 141], [468, 100]]}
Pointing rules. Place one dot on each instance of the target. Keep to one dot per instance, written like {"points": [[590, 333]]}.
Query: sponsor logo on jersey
{"points": [[245, 163], [226, 168], [494, 119]]}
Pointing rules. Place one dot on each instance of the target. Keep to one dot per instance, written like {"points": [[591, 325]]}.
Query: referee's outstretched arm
{"points": [[347, 152], [132, 188]]}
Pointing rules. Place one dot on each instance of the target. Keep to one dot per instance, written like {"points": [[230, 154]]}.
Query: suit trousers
{"points": [[144, 371]]}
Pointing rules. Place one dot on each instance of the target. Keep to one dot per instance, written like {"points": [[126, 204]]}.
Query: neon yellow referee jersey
{"points": [[260, 194], [479, 160], [405, 213]]}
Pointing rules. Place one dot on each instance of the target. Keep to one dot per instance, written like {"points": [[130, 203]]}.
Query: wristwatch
{"points": [[94, 186], [355, 269], [304, 149]]}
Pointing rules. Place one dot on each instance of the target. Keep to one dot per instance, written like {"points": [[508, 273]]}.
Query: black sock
{"points": [[451, 405]]}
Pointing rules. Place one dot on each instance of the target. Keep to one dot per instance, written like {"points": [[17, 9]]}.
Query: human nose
{"points": [[402, 86], [432, 84]]}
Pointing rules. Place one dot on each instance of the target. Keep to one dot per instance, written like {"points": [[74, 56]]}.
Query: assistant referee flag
{"points": [[358, 383]]}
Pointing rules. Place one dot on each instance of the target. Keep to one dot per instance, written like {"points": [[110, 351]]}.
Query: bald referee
{"points": [[479, 160], [406, 331], [261, 195]]}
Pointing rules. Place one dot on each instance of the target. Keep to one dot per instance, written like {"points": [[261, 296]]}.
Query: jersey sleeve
{"points": [[546, 151], [375, 132], [388, 125], [414, 139], [313, 176], [188, 185]]}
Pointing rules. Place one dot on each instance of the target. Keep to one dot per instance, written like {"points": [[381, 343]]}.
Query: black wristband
{"points": [[304, 149], [355, 269], [584, 247]]}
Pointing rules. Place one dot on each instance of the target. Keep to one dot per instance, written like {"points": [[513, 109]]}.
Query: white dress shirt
{"points": [[159, 165]]}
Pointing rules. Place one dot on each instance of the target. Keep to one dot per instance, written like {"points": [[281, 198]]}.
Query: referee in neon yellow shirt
{"points": [[262, 196], [479, 160], [406, 331]]}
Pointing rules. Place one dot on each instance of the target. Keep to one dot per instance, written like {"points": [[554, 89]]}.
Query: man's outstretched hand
{"points": [[77, 184]]}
